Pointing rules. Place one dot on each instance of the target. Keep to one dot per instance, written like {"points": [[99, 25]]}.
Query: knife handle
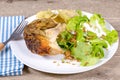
{"points": [[1, 46]]}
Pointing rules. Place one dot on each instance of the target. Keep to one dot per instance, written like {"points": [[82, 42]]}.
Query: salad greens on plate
{"points": [[80, 42], [86, 38]]}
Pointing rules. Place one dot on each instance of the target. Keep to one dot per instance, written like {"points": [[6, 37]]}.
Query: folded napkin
{"points": [[9, 64]]}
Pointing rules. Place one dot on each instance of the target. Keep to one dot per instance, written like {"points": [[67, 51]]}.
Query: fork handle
{"points": [[1, 46]]}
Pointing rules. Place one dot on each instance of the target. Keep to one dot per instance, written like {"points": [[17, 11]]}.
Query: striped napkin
{"points": [[9, 64]]}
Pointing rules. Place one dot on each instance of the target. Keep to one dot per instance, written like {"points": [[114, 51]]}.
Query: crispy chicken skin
{"points": [[35, 37]]}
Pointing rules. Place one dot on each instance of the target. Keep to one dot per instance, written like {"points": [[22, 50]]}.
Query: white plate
{"points": [[53, 64]]}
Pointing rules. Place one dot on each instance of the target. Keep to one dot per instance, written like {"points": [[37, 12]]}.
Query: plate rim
{"points": [[34, 17]]}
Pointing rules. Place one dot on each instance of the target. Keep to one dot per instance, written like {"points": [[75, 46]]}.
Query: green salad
{"points": [[86, 38]]}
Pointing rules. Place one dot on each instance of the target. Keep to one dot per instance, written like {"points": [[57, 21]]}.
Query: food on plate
{"points": [[70, 32], [36, 38]]}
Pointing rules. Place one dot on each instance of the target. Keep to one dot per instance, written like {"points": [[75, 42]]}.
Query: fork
{"points": [[15, 35]]}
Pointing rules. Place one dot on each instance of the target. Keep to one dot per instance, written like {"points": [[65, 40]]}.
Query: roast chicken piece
{"points": [[40, 37]]}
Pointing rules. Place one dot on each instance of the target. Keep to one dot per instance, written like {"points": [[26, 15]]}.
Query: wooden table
{"points": [[110, 9]]}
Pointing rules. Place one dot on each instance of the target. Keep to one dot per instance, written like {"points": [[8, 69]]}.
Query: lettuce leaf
{"points": [[80, 35], [81, 50], [83, 44], [82, 53], [79, 12], [100, 42], [72, 23], [63, 40], [91, 35], [97, 18], [89, 61], [111, 37], [97, 47], [76, 23]]}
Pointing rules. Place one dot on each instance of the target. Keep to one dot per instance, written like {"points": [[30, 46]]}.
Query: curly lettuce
{"points": [[85, 45], [111, 37]]}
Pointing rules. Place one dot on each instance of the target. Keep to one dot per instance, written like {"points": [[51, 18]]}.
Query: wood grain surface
{"points": [[109, 9]]}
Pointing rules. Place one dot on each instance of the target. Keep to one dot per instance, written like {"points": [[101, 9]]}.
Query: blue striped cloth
{"points": [[9, 64]]}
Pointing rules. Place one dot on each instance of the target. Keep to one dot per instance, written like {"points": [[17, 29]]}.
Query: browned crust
{"points": [[35, 37]]}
